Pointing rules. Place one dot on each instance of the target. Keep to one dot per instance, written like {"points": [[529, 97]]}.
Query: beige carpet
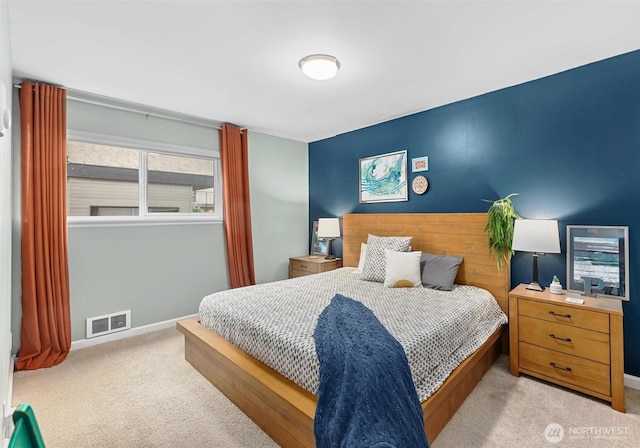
{"points": [[139, 392]]}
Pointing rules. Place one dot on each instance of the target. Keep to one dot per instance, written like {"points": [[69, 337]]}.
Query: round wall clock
{"points": [[419, 184]]}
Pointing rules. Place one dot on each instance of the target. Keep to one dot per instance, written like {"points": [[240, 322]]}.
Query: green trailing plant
{"points": [[499, 228]]}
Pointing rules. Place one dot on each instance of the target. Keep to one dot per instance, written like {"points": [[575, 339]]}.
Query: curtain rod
{"points": [[148, 111]]}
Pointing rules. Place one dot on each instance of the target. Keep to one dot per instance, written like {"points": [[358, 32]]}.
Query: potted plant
{"points": [[499, 228]]}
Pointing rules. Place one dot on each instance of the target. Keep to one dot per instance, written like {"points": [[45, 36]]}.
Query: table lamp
{"points": [[539, 236], [329, 229]]}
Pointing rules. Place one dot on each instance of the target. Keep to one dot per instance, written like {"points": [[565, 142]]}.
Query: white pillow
{"points": [[363, 255], [402, 269]]}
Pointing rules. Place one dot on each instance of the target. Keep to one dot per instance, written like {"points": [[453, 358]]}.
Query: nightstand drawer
{"points": [[592, 320], [304, 266], [570, 369], [293, 273], [576, 341]]}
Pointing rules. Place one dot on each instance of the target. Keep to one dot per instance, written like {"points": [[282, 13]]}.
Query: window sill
{"points": [[109, 221]]}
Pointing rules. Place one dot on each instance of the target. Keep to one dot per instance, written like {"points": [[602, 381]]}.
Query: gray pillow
{"points": [[375, 262], [439, 271]]}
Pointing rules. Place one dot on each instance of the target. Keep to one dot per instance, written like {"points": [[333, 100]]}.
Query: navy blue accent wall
{"points": [[568, 144]]}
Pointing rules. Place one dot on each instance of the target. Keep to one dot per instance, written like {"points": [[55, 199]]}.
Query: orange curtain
{"points": [[45, 335], [237, 211]]}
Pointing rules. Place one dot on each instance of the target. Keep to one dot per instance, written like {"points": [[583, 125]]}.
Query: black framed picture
{"points": [[318, 245]]}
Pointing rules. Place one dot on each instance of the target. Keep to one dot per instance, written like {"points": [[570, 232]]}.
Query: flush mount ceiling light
{"points": [[319, 66]]}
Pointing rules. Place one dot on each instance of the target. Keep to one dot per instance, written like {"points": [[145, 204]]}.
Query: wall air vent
{"points": [[108, 323]]}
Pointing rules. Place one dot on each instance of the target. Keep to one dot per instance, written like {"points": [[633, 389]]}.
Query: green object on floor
{"points": [[26, 433]]}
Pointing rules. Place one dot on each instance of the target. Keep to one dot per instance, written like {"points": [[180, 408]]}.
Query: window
{"points": [[111, 179], [184, 183]]}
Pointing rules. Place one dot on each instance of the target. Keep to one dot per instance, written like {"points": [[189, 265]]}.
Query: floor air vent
{"points": [[109, 323]]}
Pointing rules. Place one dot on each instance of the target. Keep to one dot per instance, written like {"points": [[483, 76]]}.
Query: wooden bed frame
{"points": [[284, 410]]}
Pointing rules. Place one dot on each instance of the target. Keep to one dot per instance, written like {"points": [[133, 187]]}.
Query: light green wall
{"points": [[84, 116], [158, 272], [5, 220], [161, 272], [278, 170]]}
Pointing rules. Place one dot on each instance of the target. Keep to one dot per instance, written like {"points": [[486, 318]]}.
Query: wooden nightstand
{"points": [[575, 346], [312, 264]]}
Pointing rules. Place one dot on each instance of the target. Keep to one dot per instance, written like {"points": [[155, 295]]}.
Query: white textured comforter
{"points": [[274, 322]]}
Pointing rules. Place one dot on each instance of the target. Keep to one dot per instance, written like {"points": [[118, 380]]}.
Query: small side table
{"points": [[312, 264], [578, 346]]}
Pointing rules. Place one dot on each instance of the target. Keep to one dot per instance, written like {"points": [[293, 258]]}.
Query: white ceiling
{"points": [[237, 61]]}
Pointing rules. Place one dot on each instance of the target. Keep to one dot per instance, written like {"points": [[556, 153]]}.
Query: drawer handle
{"points": [[553, 336], [555, 366], [303, 266], [553, 313]]}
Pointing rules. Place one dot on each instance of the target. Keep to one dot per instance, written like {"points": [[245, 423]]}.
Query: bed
{"points": [[285, 410]]}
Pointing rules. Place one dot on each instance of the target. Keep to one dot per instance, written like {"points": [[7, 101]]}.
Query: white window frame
{"points": [[145, 147]]}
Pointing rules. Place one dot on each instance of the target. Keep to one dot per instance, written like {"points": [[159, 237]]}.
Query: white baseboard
{"points": [[135, 331], [631, 381]]}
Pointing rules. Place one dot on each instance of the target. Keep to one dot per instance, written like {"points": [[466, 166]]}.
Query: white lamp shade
{"points": [[328, 228], [536, 235], [319, 66]]}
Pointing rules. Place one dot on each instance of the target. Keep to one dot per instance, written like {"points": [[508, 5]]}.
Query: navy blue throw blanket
{"points": [[366, 397]]}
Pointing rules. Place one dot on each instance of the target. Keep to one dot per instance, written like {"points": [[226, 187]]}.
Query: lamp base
{"points": [[535, 286], [329, 256]]}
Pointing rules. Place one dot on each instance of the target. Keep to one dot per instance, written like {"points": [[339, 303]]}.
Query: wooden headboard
{"points": [[459, 234]]}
